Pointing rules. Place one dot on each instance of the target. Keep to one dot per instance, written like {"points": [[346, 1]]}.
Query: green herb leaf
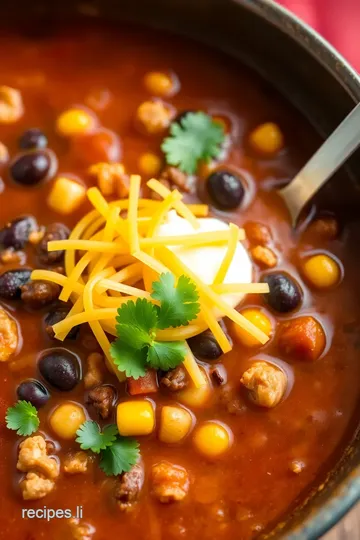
{"points": [[127, 359], [22, 418], [197, 137], [141, 315], [178, 305], [120, 456], [91, 438], [166, 355]]}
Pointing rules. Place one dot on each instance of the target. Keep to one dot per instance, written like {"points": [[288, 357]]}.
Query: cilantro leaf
{"points": [[178, 305], [120, 456], [22, 418], [127, 359], [141, 315], [166, 355], [90, 437], [197, 137]]}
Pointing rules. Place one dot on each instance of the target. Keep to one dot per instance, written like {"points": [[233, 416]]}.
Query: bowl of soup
{"points": [[176, 360]]}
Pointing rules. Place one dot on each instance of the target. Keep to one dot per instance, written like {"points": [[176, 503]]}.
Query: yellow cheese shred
{"points": [[215, 327], [234, 237], [200, 239], [173, 262], [193, 369], [180, 207], [163, 208], [135, 182]]}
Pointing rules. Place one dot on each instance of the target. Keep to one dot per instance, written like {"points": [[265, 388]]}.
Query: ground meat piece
{"points": [[8, 336], [326, 228], [175, 379], [37, 294], [76, 463], [302, 338], [257, 233], [169, 482], [81, 530], [11, 105], [35, 486], [230, 400], [264, 256], [10, 256], [266, 384], [129, 486], [56, 316], [55, 231], [153, 117], [33, 455], [102, 398], [176, 178], [218, 375], [95, 373], [111, 178]]}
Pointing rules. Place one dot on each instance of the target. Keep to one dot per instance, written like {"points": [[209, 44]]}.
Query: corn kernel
{"points": [[11, 105], [267, 138], [321, 271], [66, 419], [175, 424], [75, 122], [212, 439], [66, 195], [260, 320], [159, 84], [149, 164], [195, 397], [135, 418]]}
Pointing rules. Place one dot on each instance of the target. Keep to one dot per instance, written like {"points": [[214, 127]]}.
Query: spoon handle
{"points": [[324, 163]]}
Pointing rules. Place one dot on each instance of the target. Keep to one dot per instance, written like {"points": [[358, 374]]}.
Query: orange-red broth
{"points": [[252, 485]]}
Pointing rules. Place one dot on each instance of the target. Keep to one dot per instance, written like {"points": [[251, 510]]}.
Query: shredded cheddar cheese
{"points": [[115, 248]]}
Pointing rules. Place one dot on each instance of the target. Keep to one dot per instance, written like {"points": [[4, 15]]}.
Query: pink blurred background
{"points": [[337, 20]]}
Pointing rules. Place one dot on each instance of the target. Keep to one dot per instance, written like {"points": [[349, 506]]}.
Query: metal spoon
{"points": [[324, 163]]}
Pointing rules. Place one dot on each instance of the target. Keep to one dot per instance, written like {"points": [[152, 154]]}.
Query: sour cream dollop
{"points": [[205, 261]]}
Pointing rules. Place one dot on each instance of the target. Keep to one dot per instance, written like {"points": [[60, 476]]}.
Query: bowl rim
{"points": [[348, 494]]}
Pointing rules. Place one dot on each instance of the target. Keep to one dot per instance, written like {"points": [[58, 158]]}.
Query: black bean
{"points": [[54, 231], [225, 189], [16, 233], [11, 283], [33, 391], [205, 346], [60, 369], [285, 294], [56, 316], [30, 169], [37, 294], [33, 139]]}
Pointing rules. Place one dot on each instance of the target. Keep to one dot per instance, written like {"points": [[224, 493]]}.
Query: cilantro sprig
{"points": [[117, 454], [22, 418], [196, 137], [91, 438], [136, 348]]}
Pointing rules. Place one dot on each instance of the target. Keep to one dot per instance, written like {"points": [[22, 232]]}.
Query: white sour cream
{"points": [[205, 261]]}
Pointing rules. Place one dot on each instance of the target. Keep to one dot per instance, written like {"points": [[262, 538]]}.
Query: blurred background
{"points": [[337, 20]]}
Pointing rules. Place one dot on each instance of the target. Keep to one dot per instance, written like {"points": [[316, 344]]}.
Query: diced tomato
{"points": [[147, 384]]}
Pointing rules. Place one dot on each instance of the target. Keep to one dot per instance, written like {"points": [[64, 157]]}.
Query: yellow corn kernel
{"points": [[75, 122], [149, 164], [195, 397], [175, 424], [66, 419], [321, 271], [66, 195], [159, 84], [212, 439], [260, 320], [135, 418], [267, 138]]}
